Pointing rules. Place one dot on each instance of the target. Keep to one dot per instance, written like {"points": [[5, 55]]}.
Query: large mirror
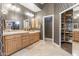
{"points": [[19, 19]]}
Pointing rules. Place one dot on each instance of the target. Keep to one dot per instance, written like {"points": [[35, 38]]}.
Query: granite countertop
{"points": [[18, 32]]}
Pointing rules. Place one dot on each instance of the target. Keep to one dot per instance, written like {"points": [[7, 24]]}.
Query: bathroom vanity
{"points": [[17, 40]]}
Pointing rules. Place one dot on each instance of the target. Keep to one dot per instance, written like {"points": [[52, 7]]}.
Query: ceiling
{"points": [[40, 5], [31, 6], [76, 12]]}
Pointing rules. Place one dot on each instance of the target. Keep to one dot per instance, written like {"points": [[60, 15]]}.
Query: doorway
{"points": [[66, 29], [48, 28]]}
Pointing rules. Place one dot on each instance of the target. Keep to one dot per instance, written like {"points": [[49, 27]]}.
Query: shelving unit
{"points": [[66, 30], [66, 26]]}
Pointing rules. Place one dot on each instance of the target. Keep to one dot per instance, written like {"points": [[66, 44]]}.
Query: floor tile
{"points": [[42, 48]]}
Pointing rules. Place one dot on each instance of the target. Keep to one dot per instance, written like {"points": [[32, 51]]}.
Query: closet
{"points": [[66, 30]]}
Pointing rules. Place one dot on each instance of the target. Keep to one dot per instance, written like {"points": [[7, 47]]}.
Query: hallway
{"points": [[42, 48]]}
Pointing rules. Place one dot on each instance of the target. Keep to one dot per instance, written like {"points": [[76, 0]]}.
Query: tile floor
{"points": [[42, 48], [75, 48]]}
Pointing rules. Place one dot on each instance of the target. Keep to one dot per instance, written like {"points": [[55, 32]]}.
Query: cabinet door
{"points": [[18, 43], [12, 44], [25, 41], [9, 47], [76, 36], [31, 38], [37, 36]]}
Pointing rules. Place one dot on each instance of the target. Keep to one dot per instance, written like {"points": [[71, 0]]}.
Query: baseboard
{"points": [[56, 44], [48, 38], [52, 42]]}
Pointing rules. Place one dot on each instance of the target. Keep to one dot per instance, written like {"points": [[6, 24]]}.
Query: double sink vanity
{"points": [[19, 39]]}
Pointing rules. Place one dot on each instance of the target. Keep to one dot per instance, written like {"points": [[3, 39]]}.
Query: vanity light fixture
{"points": [[29, 14], [4, 11], [18, 9]]}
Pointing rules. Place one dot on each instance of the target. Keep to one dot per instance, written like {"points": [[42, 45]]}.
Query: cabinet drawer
{"points": [[25, 34], [76, 39], [18, 35], [31, 37], [25, 37], [37, 34], [9, 37], [25, 42], [76, 34]]}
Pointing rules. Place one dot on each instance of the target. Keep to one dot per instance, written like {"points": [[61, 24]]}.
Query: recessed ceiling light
{"points": [[18, 9], [29, 14], [31, 6]]}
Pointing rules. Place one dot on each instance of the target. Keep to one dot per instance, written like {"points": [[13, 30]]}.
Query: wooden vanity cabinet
{"points": [[8, 47], [31, 38], [12, 43], [36, 36], [76, 36], [18, 42], [15, 42], [25, 40]]}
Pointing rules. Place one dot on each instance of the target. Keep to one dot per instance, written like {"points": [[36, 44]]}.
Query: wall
{"points": [[47, 10], [59, 7], [1, 32], [53, 9]]}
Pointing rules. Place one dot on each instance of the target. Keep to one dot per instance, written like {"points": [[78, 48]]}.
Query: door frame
{"points": [[60, 21], [52, 27]]}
